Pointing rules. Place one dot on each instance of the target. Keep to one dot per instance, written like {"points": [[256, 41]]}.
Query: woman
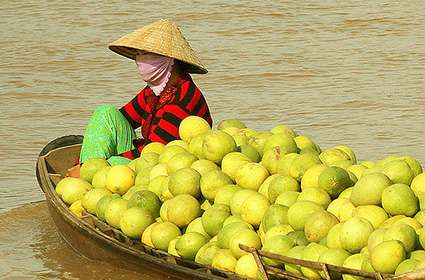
{"points": [[164, 60]]}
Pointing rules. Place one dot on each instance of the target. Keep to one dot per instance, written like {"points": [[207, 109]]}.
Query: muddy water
{"points": [[348, 72]]}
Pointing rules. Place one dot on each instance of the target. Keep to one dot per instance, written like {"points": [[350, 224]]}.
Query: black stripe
{"points": [[133, 123], [135, 153], [198, 106], [189, 95], [164, 135], [139, 110], [172, 119]]}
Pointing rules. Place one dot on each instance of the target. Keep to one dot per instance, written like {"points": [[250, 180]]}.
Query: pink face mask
{"points": [[155, 70]]}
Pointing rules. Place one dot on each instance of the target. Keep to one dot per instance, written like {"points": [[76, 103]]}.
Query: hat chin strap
{"points": [[155, 70]]}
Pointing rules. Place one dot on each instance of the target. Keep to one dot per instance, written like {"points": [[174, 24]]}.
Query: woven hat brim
{"points": [[161, 37]]}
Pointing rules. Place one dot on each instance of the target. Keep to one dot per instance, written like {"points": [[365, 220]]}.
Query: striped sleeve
{"points": [[134, 111]]}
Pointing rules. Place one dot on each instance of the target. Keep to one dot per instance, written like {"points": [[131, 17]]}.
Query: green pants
{"points": [[107, 135]]}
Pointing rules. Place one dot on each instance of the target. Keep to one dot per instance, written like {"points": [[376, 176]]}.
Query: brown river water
{"points": [[344, 72]]}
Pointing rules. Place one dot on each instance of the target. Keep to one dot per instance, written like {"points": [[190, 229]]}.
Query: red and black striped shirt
{"points": [[159, 117]]}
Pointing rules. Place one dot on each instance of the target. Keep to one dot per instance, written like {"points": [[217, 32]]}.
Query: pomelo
{"points": [[172, 247], [120, 178], [391, 221], [251, 175], [301, 164], [346, 193], [418, 184], [318, 225], [368, 190], [142, 178], [296, 253], [77, 208], [346, 210], [180, 143], [305, 142], [225, 194], [334, 180], [179, 161], [270, 159], [254, 208], [238, 199], [281, 128], [157, 183], [246, 266], [276, 214], [264, 188], [379, 256], [285, 142], [91, 198], [170, 152], [72, 189], [285, 163], [228, 231], [405, 266], [102, 204], [316, 195], [287, 198], [146, 200], [91, 166], [403, 233], [99, 179], [192, 126], [418, 255], [163, 211], [114, 210], [375, 238], [280, 184], [233, 219], [196, 226], [246, 237], [357, 169], [420, 217], [335, 206], [212, 181], [258, 139], [185, 181], [355, 233], [182, 209], [249, 151], [399, 172], [232, 162], [348, 151], [231, 131], [154, 147], [195, 145], [224, 260], [278, 244], [206, 253], [203, 166], [298, 236], [163, 233], [189, 244], [146, 160], [399, 199], [311, 176], [300, 211], [374, 214], [332, 239], [146, 235], [413, 163], [216, 145], [355, 262], [280, 229], [312, 252], [214, 217], [230, 123], [134, 221], [333, 256], [332, 155]]}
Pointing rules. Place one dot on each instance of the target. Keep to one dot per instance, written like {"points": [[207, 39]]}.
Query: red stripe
{"points": [[177, 111], [155, 138], [129, 109], [170, 128], [203, 110], [184, 89], [196, 98], [128, 155]]}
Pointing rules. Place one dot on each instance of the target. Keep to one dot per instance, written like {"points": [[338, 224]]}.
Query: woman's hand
{"points": [[74, 171]]}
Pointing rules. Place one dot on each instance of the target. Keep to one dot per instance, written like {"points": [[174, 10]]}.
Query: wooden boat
{"points": [[96, 240]]}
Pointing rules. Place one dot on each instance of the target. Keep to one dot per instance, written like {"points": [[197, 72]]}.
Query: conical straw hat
{"points": [[161, 37]]}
